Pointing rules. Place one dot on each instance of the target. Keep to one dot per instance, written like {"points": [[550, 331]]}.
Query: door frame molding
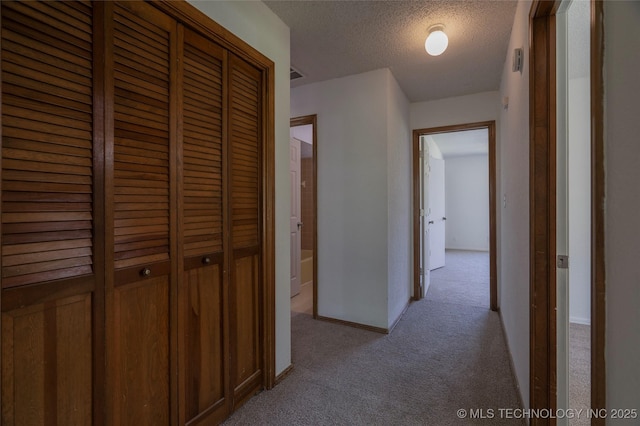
{"points": [[542, 136], [313, 121], [493, 276]]}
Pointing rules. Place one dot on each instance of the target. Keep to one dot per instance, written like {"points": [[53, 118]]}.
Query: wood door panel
{"points": [[245, 327], [47, 362], [244, 147], [245, 212], [202, 145], [141, 345], [205, 352], [142, 76], [47, 139]]}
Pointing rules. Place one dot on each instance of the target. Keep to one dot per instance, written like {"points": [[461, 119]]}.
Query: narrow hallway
{"points": [[444, 355]]}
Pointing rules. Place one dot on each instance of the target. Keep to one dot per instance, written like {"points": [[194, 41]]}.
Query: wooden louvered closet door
{"points": [[205, 317], [140, 213], [132, 216], [51, 278], [245, 212]]}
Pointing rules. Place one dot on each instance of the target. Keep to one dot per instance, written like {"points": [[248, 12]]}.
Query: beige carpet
{"points": [[580, 370], [445, 354], [463, 280]]}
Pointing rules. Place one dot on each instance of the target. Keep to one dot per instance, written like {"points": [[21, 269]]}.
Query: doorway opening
{"points": [[429, 218], [303, 217]]}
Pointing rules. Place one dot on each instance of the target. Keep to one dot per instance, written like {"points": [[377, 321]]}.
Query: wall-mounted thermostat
{"points": [[517, 60]]}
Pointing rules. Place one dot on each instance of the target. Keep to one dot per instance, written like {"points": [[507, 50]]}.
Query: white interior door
{"points": [[294, 221], [436, 213], [425, 270]]}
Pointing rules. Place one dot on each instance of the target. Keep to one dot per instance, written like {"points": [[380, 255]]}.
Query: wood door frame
{"points": [[542, 134], [313, 121], [493, 269]]}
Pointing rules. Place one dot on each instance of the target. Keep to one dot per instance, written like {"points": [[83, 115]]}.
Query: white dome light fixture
{"points": [[437, 41]]}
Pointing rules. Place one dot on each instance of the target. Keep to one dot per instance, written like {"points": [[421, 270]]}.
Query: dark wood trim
{"points": [[111, 321], [98, 304], [598, 271], [493, 269], [313, 121], [268, 225], [415, 173], [542, 199], [226, 238], [354, 325], [175, 238], [200, 22], [1, 263], [48, 291], [181, 299], [493, 227]]}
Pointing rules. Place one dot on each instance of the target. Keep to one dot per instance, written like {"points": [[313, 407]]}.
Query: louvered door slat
{"points": [[141, 148], [244, 123], [47, 142], [202, 146]]}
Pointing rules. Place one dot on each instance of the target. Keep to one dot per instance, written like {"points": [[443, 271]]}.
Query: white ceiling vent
{"points": [[294, 74]]}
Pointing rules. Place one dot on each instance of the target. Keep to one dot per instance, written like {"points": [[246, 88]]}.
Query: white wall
{"points": [[399, 184], [622, 127], [579, 175], [303, 133], [254, 23], [514, 215], [352, 194], [467, 202], [458, 110]]}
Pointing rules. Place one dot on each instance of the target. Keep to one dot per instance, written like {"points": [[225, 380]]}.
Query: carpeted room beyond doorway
{"points": [[445, 354]]}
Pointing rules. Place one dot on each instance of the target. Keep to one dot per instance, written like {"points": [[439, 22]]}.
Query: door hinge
{"points": [[421, 272], [421, 154], [563, 261], [421, 212]]}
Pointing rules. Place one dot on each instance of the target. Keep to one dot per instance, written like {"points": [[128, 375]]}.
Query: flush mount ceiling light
{"points": [[437, 41]]}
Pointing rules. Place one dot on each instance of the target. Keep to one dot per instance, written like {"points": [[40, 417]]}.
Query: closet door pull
{"points": [[145, 272], [206, 260]]}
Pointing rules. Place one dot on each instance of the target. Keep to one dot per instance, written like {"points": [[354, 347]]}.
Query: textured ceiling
{"points": [[331, 39]]}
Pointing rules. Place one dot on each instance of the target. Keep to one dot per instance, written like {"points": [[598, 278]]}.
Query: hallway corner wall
{"points": [[399, 249], [352, 194]]}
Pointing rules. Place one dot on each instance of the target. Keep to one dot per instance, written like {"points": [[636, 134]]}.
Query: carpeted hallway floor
{"points": [[446, 353]]}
